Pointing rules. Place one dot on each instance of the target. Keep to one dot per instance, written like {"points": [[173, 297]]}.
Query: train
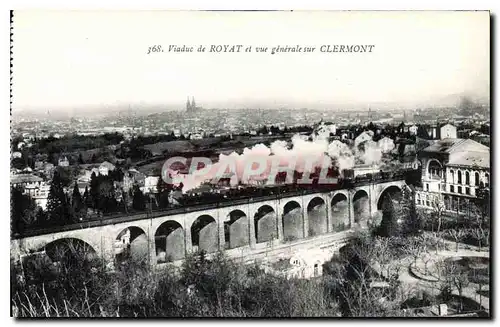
{"points": [[409, 171]]}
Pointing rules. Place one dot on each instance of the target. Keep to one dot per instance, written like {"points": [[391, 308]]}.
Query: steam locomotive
{"points": [[411, 172]]}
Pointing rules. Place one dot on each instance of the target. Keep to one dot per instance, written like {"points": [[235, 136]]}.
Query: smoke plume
{"points": [[303, 154]]}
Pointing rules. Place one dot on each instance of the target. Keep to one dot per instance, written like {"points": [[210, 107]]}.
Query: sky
{"points": [[98, 59]]}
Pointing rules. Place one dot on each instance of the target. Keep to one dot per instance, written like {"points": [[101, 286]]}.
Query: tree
{"points": [[87, 198], [23, 210], [481, 236], [76, 198], [80, 159], [391, 218], [455, 276], [354, 281], [438, 208], [163, 190], [77, 204], [422, 132], [385, 256], [483, 203], [107, 195], [457, 234], [94, 190], [124, 203], [435, 238], [138, 201], [57, 205], [411, 220], [41, 217], [413, 247]]}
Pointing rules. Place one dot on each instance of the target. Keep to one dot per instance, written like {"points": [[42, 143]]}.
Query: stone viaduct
{"points": [[239, 227]]}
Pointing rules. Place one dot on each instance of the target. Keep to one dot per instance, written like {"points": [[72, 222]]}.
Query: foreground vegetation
{"points": [[201, 288], [78, 285]]}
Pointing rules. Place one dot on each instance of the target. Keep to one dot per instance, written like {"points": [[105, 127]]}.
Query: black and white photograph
{"points": [[250, 164]]}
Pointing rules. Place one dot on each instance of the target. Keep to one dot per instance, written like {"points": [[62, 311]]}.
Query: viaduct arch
{"points": [[250, 226], [266, 224]]}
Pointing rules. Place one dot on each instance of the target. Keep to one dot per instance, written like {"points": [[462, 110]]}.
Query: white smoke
{"points": [[386, 144], [342, 154], [372, 153], [306, 156]]}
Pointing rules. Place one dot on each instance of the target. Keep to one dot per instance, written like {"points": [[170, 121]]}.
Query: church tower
{"points": [[193, 104], [188, 105]]}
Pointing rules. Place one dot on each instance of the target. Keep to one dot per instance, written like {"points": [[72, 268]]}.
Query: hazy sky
{"points": [[84, 59]]}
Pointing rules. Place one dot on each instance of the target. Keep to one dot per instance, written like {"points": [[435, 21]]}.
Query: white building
{"points": [[105, 168], [16, 155], [196, 136], [413, 129], [150, 183], [448, 131], [33, 186], [452, 170], [305, 264], [63, 162], [23, 180], [324, 130], [177, 132]]}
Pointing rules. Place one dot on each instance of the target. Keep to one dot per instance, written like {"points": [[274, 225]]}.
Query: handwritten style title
{"points": [[240, 48]]}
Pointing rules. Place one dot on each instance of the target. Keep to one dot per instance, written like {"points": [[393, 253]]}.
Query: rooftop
{"points": [[462, 152], [25, 178], [456, 145], [470, 158]]}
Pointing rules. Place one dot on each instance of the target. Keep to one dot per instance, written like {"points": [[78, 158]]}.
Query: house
{"points": [[452, 171], [324, 130], [302, 264], [16, 155], [85, 177], [196, 136], [105, 168], [33, 186], [23, 180], [413, 130], [39, 193], [448, 131], [177, 133], [150, 183], [63, 162]]}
